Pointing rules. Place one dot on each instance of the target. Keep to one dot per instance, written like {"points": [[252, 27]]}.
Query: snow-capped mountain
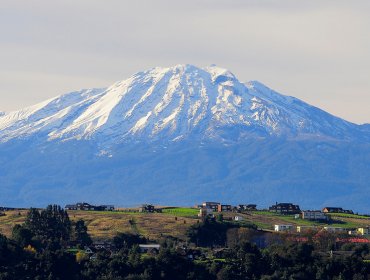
{"points": [[173, 103], [180, 135]]}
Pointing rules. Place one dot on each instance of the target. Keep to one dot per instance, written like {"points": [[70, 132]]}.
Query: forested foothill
{"points": [[48, 245]]}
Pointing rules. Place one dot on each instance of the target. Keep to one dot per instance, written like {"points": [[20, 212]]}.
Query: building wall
{"points": [[313, 215], [283, 227]]}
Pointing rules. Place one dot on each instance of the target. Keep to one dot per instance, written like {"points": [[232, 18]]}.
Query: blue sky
{"points": [[314, 50]]}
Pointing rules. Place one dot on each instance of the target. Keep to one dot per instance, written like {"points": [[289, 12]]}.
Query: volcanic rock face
{"points": [[177, 136]]}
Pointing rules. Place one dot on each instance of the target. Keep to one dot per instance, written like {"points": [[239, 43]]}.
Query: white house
{"points": [[238, 218], [283, 227], [301, 229], [205, 211], [335, 229], [313, 215]]}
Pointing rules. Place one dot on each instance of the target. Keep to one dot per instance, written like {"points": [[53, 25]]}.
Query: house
{"points": [[245, 207], [336, 210], [4, 209], [149, 248], [301, 229], [238, 218], [283, 227], [103, 245], [104, 208], [79, 206], [88, 251], [314, 215], [147, 208], [190, 254], [363, 231], [212, 205], [224, 208], [88, 207], [285, 208], [204, 212], [85, 206], [71, 207], [335, 229]]}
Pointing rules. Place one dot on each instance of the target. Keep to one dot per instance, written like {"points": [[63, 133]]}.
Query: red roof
{"points": [[353, 240]]}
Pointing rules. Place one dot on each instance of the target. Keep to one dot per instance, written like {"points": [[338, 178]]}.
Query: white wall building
{"points": [[335, 229], [283, 227], [313, 215], [238, 218], [205, 211], [306, 228]]}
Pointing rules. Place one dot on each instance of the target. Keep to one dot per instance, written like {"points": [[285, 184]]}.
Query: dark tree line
{"points": [[37, 250]]}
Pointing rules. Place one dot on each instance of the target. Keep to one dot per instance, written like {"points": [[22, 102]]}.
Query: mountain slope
{"points": [[181, 135], [174, 103]]}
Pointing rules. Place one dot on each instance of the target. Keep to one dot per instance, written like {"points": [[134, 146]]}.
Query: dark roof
{"points": [[70, 205], [210, 202]]}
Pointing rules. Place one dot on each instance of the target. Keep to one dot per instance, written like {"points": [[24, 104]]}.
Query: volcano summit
{"points": [[181, 135]]}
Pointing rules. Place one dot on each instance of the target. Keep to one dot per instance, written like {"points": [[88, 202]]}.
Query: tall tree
{"points": [[80, 234]]}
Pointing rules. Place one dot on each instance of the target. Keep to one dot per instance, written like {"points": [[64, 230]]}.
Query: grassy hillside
{"points": [[173, 221]]}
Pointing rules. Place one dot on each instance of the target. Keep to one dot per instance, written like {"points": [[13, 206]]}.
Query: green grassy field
{"points": [[181, 211], [351, 216]]}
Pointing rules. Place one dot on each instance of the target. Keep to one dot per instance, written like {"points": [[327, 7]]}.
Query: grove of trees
{"points": [[40, 249]]}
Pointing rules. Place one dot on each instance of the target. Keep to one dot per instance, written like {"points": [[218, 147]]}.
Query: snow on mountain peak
{"points": [[171, 103]]}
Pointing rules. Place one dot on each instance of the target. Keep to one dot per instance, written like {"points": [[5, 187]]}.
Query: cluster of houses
{"points": [[302, 229], [208, 208], [317, 215], [313, 215], [83, 206]]}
